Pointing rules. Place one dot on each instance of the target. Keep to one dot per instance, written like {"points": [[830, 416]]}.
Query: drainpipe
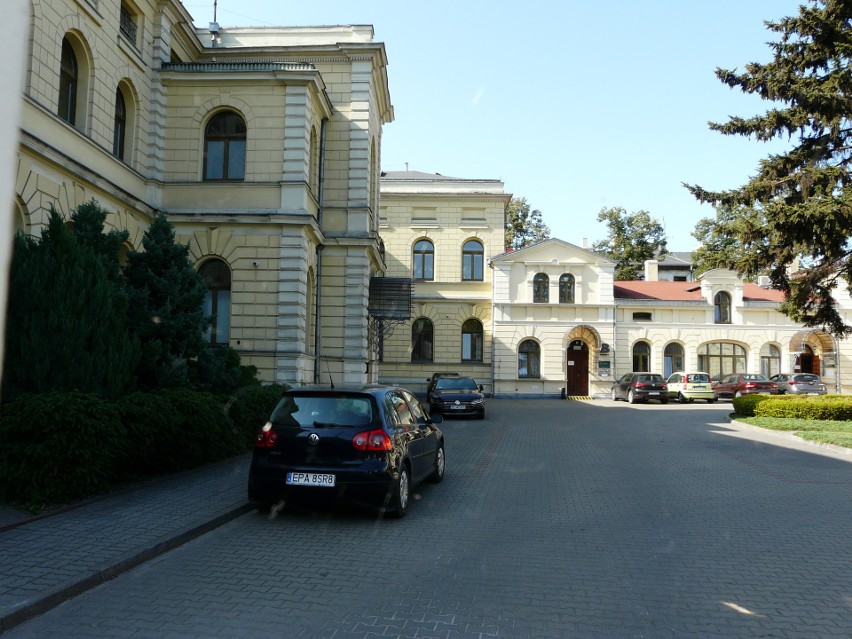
{"points": [[318, 295]]}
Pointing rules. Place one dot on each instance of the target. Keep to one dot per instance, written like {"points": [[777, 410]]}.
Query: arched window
{"points": [[770, 360], [424, 260], [68, 83], [529, 359], [119, 125], [722, 308], [721, 358], [641, 357], [217, 301], [422, 335], [566, 288], [225, 147], [672, 359], [472, 341], [541, 288], [472, 261]]}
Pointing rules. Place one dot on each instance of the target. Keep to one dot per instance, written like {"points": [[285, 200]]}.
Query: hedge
{"points": [[60, 447], [823, 407], [745, 404]]}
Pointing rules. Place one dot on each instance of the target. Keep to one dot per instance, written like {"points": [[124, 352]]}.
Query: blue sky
{"points": [[576, 106]]}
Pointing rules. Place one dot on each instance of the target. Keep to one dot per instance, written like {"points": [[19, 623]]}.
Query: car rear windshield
{"points": [[649, 378], [455, 383], [699, 377], [811, 379], [322, 410]]}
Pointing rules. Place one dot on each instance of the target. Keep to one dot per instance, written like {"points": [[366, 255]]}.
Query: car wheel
{"points": [[631, 397], [481, 415], [614, 397], [401, 493], [711, 401], [664, 401], [681, 398], [440, 466]]}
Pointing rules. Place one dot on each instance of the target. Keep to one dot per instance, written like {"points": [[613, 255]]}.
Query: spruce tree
{"points": [[166, 296], [66, 322], [799, 204]]}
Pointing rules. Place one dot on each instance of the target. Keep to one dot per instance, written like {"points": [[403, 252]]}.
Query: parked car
{"points": [[369, 444], [430, 383], [686, 387], [457, 396], [799, 384], [740, 384], [640, 387]]}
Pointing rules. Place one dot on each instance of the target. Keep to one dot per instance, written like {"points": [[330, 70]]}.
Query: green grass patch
{"points": [[838, 433]]}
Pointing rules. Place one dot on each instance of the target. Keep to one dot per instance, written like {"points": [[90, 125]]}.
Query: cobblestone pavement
{"points": [[556, 519], [46, 560]]}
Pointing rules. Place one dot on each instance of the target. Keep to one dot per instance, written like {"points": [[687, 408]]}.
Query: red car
{"points": [[740, 384]]}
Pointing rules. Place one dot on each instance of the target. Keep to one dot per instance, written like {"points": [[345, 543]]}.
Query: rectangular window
{"points": [[641, 317], [127, 24]]}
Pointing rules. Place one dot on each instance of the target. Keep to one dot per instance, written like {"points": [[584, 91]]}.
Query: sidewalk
{"points": [[47, 560]]}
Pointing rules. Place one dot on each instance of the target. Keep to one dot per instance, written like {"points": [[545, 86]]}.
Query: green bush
{"points": [[150, 422], [823, 407], [250, 407], [58, 447], [746, 404], [201, 431]]}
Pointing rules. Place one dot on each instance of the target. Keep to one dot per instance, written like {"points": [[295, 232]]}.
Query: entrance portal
{"points": [[577, 369]]}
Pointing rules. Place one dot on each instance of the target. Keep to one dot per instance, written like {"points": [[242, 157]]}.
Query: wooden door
{"points": [[577, 369]]}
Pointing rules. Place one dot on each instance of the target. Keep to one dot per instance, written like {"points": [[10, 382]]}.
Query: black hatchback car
{"points": [[640, 387], [457, 396], [369, 444]]}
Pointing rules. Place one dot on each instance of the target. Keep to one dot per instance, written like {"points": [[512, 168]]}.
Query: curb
{"points": [[55, 596]]}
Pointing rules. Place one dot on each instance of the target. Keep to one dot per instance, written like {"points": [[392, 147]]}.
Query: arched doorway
{"points": [[577, 369]]}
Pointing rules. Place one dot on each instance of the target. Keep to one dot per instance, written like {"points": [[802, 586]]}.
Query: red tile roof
{"points": [[685, 292]]}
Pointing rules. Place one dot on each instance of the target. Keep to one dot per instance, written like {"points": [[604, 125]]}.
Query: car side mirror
{"points": [[480, 388]]}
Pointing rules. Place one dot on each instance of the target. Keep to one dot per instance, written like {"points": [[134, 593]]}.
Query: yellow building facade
{"points": [[441, 232], [261, 145]]}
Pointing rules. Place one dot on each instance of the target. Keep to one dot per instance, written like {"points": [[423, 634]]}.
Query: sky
{"points": [[575, 106]]}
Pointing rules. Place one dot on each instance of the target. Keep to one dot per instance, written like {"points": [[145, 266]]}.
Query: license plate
{"points": [[699, 387], [456, 407], [654, 393], [322, 480], [813, 393]]}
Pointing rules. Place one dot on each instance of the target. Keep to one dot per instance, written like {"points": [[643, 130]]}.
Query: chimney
{"points": [[652, 271], [585, 243]]}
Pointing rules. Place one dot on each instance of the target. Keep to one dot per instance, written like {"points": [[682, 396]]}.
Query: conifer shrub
{"points": [[149, 447], [200, 431], [58, 447]]}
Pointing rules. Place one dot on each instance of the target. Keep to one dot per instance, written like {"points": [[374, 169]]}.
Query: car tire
{"points": [[711, 401], [614, 397], [664, 401], [681, 399], [437, 475], [400, 494], [481, 415], [631, 398]]}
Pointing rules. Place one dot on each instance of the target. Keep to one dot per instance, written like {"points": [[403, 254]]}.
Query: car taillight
{"points": [[640, 384], [372, 440], [266, 437], [794, 382]]}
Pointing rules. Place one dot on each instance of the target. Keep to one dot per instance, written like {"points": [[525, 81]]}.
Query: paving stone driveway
{"points": [[556, 519]]}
